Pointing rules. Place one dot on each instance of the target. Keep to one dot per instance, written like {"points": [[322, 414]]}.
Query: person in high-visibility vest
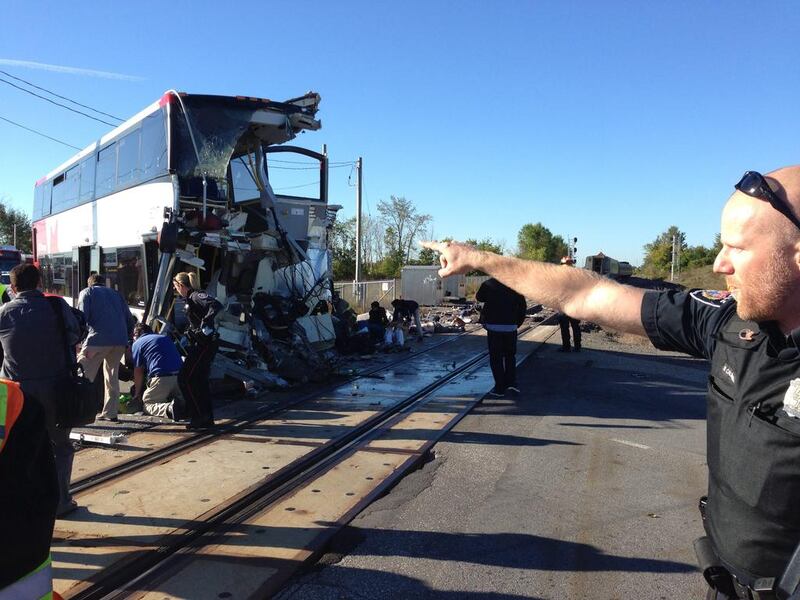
{"points": [[28, 497]]}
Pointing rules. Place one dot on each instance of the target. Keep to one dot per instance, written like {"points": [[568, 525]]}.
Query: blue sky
{"points": [[609, 121]]}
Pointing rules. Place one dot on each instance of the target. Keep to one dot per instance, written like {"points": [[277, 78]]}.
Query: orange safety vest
{"points": [[37, 584], [11, 401]]}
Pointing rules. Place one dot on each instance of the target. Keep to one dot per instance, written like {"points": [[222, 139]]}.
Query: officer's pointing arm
{"points": [[579, 293]]}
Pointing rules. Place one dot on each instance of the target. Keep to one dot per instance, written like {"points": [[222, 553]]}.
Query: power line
{"points": [[308, 168], [294, 187], [306, 162], [59, 96], [39, 133], [56, 103]]}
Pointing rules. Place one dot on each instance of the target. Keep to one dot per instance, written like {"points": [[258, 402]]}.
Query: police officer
{"points": [[193, 379], [751, 336], [28, 496]]}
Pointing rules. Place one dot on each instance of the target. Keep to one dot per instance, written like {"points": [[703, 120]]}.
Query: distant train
{"points": [[605, 265]]}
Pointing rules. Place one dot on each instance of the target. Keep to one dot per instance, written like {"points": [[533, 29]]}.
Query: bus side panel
{"points": [[59, 233], [123, 218]]}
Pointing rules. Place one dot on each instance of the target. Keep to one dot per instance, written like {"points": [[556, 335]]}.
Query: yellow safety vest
{"points": [[38, 584]]}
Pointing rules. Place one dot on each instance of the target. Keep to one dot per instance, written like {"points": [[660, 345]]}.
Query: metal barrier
{"points": [[473, 283], [360, 294]]}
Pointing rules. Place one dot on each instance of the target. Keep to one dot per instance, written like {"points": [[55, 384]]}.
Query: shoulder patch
{"points": [[716, 298]]}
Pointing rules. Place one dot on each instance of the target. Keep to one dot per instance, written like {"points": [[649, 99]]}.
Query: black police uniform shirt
{"points": [[201, 309], [753, 446]]}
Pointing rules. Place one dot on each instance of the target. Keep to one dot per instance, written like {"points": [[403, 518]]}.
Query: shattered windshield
{"points": [[221, 128]]}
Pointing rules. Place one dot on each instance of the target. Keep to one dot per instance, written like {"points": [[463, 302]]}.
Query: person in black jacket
{"points": [[565, 322], [503, 311], [38, 352], [193, 378], [404, 312]]}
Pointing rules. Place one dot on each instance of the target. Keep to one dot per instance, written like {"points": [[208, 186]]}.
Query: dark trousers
{"points": [[28, 495], [565, 322], [193, 381], [502, 358]]}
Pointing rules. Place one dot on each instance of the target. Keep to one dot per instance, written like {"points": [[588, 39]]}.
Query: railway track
{"points": [[186, 440], [278, 486]]}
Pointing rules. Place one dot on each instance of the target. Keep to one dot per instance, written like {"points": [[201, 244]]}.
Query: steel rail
{"points": [[202, 437], [116, 580]]}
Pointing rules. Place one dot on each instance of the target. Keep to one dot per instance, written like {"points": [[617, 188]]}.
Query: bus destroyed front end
{"points": [[263, 255]]}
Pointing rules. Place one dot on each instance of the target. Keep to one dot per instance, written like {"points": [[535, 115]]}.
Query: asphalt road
{"points": [[586, 486]]}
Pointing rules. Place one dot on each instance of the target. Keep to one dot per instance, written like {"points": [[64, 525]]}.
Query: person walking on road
{"points": [[200, 310], [156, 360], [110, 325], [751, 336], [503, 312], [565, 322], [34, 356]]}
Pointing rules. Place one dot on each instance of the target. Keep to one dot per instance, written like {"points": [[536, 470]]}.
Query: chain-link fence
{"points": [[362, 293]]}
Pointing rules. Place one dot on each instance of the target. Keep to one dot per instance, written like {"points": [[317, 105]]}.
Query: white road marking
{"points": [[634, 444]]}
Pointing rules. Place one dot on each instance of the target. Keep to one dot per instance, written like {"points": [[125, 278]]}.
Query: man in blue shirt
{"points": [[110, 325], [156, 358]]}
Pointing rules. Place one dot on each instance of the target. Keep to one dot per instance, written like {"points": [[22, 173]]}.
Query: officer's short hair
{"points": [[375, 304], [94, 279], [25, 277]]}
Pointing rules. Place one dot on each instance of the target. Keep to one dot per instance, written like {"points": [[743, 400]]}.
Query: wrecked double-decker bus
{"points": [[184, 185]]}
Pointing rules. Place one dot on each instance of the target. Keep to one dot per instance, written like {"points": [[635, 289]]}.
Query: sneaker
{"points": [[109, 419], [495, 393], [513, 390]]}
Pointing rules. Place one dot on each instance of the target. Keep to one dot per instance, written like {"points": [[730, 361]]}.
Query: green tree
{"points": [[9, 217], [537, 242], [404, 225], [426, 256], [487, 245], [342, 245], [658, 253]]}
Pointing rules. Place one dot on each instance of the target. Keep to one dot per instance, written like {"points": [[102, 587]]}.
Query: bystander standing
{"points": [[33, 354], [110, 325], [503, 311]]}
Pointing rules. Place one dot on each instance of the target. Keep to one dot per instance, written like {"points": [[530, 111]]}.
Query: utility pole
{"points": [[675, 266], [15, 235], [359, 167]]}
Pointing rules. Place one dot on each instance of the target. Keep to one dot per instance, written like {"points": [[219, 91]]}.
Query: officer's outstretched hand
{"points": [[455, 257]]}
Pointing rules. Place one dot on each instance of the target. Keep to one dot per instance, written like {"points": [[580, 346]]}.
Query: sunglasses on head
{"points": [[754, 185]]}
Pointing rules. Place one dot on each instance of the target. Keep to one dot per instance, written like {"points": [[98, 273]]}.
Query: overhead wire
{"points": [[69, 108], [52, 93], [307, 162], [309, 168], [294, 187], [39, 133]]}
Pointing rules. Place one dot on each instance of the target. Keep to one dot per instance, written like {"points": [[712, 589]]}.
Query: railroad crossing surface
{"points": [[585, 486]]}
